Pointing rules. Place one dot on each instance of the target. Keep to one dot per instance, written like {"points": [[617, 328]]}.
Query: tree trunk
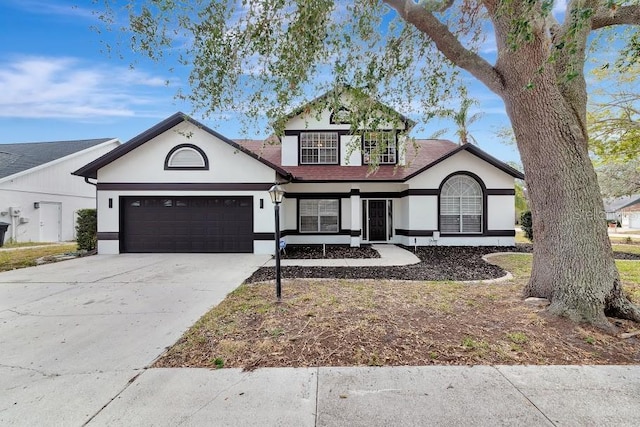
{"points": [[573, 263]]}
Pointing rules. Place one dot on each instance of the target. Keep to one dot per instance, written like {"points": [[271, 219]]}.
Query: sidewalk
{"points": [[624, 232], [386, 396], [389, 255]]}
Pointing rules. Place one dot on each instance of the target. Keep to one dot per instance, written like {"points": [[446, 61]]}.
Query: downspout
{"points": [[86, 179]]}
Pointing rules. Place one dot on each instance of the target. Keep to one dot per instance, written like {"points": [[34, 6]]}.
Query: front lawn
{"points": [[27, 257], [383, 322]]}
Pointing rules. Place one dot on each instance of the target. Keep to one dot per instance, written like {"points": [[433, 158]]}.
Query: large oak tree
{"points": [[260, 55]]}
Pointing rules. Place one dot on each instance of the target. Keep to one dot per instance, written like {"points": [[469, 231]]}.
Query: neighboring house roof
{"points": [[617, 203], [421, 155], [91, 170], [20, 157]]}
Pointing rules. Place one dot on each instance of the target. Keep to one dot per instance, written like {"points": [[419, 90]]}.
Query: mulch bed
{"points": [[437, 263], [329, 252]]}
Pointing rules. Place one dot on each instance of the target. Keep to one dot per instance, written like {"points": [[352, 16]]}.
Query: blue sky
{"points": [[57, 83]]}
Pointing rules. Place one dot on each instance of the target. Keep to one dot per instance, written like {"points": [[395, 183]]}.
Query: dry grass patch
{"points": [[351, 323], [26, 257]]}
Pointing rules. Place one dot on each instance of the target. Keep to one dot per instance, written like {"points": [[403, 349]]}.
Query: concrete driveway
{"points": [[75, 333]]}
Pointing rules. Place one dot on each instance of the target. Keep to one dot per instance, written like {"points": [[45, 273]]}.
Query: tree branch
{"points": [[447, 43], [624, 15]]}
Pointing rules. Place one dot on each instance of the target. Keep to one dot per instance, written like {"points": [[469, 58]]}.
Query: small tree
{"points": [[527, 225], [87, 229]]}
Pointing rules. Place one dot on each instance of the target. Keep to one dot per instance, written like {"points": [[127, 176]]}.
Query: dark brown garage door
{"points": [[187, 224]]}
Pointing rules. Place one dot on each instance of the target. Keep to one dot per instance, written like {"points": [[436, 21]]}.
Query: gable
{"points": [[148, 162], [91, 170], [463, 160], [332, 111]]}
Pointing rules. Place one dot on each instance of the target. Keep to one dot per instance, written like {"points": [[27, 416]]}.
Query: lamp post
{"points": [[276, 192]]}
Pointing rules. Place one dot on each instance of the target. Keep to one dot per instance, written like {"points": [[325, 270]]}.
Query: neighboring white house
{"points": [[39, 197], [182, 187], [625, 210]]}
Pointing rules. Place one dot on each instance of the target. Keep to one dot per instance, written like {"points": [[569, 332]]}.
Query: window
{"points": [[461, 201], [186, 157], [340, 117], [319, 216], [318, 148], [382, 144]]}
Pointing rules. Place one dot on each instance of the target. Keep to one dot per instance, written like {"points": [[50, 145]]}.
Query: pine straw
{"points": [[375, 323]]}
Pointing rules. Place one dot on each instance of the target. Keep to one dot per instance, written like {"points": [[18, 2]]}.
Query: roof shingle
{"points": [[419, 155], [15, 158]]}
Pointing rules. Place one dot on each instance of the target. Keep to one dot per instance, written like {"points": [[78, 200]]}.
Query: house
{"points": [[183, 187], [625, 210], [39, 197]]}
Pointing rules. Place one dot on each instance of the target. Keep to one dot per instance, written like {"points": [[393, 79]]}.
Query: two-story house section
{"points": [[182, 187]]}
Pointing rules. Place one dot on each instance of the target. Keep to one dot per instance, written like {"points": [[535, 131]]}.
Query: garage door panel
{"points": [[187, 224]]}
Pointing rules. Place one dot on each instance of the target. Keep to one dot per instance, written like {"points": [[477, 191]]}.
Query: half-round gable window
{"points": [[186, 157], [340, 117], [461, 205]]}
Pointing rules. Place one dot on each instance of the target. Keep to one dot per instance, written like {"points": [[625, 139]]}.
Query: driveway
{"points": [[74, 334]]}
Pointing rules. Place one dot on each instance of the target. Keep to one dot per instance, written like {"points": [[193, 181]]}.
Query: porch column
{"points": [[356, 218]]}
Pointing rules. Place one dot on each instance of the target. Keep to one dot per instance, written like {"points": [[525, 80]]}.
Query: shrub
{"points": [[87, 229], [527, 225]]}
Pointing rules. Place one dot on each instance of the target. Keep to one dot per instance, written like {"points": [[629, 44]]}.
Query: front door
{"points": [[377, 220]]}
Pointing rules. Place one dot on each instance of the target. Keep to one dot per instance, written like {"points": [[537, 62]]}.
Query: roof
{"points": [[19, 157], [425, 153], [420, 156], [617, 203], [91, 170]]}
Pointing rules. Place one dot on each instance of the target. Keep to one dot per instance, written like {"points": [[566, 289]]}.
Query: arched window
{"points": [[461, 201], [186, 157]]}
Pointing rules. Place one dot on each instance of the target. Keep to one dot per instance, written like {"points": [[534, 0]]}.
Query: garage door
{"points": [[187, 224]]}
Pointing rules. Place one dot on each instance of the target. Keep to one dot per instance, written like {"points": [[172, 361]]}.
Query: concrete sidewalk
{"points": [[389, 255], [387, 396]]}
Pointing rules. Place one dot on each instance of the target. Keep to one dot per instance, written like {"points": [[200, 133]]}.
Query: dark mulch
{"points": [[329, 252], [437, 263]]}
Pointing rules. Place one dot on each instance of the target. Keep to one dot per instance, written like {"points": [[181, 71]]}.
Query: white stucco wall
{"points": [[462, 161], [423, 212], [146, 163], [290, 150], [51, 182], [350, 152], [501, 212]]}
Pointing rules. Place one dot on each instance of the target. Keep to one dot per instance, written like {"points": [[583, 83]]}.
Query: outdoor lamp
{"points": [[277, 194]]}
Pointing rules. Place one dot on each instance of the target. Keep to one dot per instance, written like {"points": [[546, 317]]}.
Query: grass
{"points": [[520, 238], [625, 240], [21, 258], [9, 245], [632, 249], [385, 323]]}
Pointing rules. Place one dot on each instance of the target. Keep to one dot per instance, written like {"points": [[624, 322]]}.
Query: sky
{"points": [[58, 83]]}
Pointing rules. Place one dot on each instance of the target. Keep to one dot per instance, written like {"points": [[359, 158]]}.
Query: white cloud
{"points": [[54, 87], [48, 7]]}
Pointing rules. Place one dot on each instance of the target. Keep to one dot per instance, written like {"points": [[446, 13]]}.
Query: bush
{"points": [[87, 229], [527, 225]]}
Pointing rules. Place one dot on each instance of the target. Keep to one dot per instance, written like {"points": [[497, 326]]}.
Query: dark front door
{"points": [[187, 224], [377, 220]]}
